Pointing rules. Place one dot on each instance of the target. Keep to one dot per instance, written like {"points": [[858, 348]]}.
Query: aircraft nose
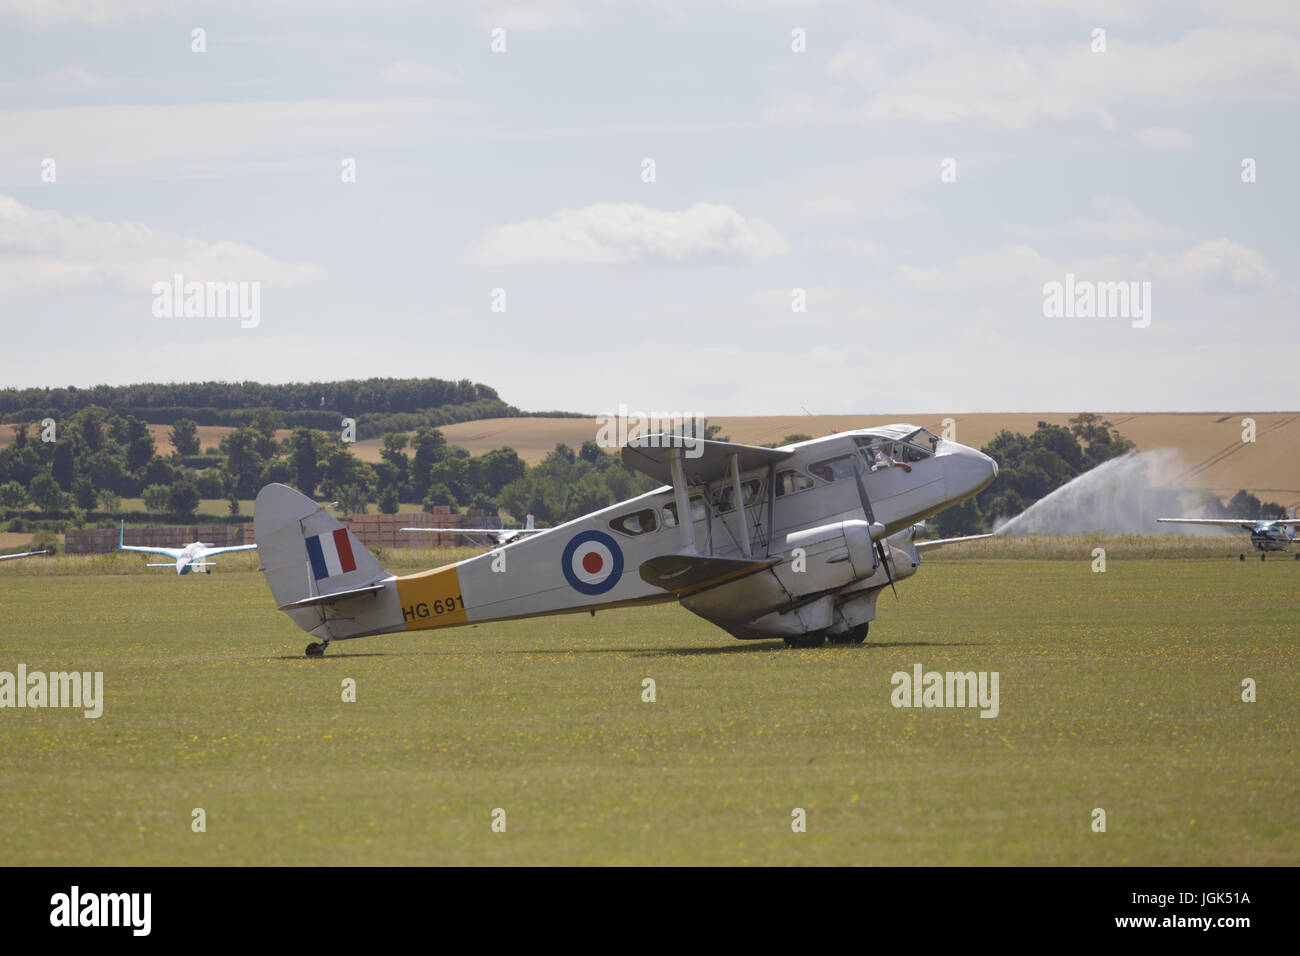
{"points": [[966, 471]]}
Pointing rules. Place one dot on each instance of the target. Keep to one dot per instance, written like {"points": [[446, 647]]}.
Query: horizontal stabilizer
{"points": [[704, 460], [685, 574], [320, 599]]}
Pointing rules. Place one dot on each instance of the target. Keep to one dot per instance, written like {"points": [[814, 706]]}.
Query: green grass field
{"points": [[1118, 690]]}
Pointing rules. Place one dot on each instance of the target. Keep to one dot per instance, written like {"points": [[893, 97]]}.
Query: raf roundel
{"points": [[592, 562]]}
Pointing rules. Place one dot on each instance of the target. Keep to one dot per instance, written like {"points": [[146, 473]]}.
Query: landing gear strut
{"points": [[854, 635], [316, 650]]}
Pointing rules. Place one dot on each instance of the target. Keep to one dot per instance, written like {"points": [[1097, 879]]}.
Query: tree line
{"points": [[98, 457], [377, 405]]}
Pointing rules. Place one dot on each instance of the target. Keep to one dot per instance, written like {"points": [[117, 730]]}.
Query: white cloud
{"points": [[1165, 138], [882, 186], [620, 233], [1121, 222], [916, 71], [411, 73], [43, 250], [209, 139], [858, 247], [1222, 263], [1013, 273], [48, 13]]}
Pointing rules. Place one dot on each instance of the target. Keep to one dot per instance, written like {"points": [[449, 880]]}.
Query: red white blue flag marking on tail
{"points": [[330, 554]]}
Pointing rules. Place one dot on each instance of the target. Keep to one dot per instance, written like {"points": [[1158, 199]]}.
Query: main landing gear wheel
{"points": [[315, 650], [814, 639], [1262, 556], [1241, 557], [854, 635]]}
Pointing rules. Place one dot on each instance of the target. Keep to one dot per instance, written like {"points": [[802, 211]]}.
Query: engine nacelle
{"points": [[832, 555]]}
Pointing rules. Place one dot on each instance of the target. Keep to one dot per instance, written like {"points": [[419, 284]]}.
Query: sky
{"points": [[706, 207]]}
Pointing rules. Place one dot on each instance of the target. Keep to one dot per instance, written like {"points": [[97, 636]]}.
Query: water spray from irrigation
{"points": [[1122, 496]]}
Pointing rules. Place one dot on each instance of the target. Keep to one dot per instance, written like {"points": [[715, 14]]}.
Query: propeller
{"points": [[871, 516]]}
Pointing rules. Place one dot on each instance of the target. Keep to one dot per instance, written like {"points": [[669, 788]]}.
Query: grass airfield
{"points": [[1119, 690]]}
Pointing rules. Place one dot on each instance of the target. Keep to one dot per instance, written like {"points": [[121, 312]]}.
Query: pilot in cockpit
{"points": [[883, 457]]}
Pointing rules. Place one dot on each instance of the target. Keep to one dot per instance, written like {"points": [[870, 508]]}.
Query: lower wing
{"points": [[1242, 523], [940, 542]]}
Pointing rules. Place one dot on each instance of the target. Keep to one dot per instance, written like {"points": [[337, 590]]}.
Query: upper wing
{"points": [[25, 554], [170, 552], [940, 542], [1243, 523], [209, 552], [703, 460]]}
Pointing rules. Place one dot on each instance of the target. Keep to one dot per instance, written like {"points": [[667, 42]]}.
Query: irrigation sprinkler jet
{"points": [[794, 543], [192, 557], [1265, 536]]}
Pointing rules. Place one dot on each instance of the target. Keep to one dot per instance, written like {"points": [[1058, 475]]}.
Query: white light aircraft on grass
{"points": [[1265, 535], [25, 554], [193, 557], [793, 543], [499, 535]]}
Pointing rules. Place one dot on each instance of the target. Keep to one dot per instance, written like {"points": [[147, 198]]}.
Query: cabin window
{"points": [[884, 453], [878, 451], [791, 483], [697, 511], [724, 496], [833, 469], [638, 522]]}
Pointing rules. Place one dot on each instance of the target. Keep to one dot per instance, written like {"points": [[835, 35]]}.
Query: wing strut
{"points": [[682, 496], [739, 503]]}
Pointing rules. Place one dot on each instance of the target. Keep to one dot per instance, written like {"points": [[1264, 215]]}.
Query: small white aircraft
{"points": [[25, 554], [1265, 536], [192, 557], [499, 535], [793, 543]]}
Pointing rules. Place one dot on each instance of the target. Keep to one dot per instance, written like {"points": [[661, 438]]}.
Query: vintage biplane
{"points": [[793, 543]]}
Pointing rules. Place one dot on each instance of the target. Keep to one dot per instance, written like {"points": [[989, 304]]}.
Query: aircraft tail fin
{"points": [[306, 552], [528, 524]]}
